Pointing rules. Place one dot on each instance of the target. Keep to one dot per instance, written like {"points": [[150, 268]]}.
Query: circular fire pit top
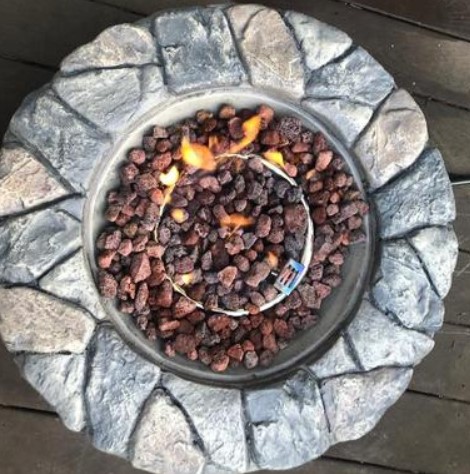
{"points": [[52, 319]]}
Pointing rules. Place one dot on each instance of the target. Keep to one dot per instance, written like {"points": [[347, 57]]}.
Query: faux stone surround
{"points": [[51, 317]]}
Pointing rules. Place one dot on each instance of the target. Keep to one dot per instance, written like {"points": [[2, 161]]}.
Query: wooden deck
{"points": [[425, 45]]}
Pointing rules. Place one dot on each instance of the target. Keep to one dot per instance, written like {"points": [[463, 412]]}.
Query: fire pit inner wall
{"points": [[337, 310]]}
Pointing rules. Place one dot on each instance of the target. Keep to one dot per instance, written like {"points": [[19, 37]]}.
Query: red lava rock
{"points": [[154, 250], [234, 245], [113, 240], [266, 113], [140, 267], [127, 287], [319, 215], [184, 343], [170, 349], [266, 358], [168, 325], [266, 327], [125, 247], [107, 284], [137, 156], [235, 128], [236, 352], [258, 273], [164, 295], [250, 360], [323, 160], [184, 265], [269, 342], [183, 307], [218, 322], [227, 276], [128, 173], [105, 258], [227, 112], [220, 363], [295, 218], [141, 297], [263, 226], [211, 183], [336, 258]]}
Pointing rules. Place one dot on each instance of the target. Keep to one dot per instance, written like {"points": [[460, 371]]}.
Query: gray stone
{"points": [[73, 206], [198, 49], [402, 288], [72, 146], [221, 428], [336, 361], [355, 403], [394, 140], [120, 382], [268, 48], [33, 321], [31, 244], [438, 249], [60, 380], [320, 43], [119, 45], [110, 98], [421, 197], [24, 182], [288, 423], [380, 342], [71, 280], [346, 119], [358, 78], [163, 441]]}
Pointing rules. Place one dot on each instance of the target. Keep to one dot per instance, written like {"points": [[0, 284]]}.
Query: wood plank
{"points": [[14, 390], [444, 372], [462, 224], [45, 31], [457, 302], [16, 81], [449, 16], [448, 130], [418, 434]]}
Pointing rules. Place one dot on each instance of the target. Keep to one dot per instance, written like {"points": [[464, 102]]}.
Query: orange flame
{"points": [[169, 179], [179, 215], [213, 141], [272, 259], [251, 128], [197, 155], [186, 278], [310, 174], [275, 157], [236, 221]]}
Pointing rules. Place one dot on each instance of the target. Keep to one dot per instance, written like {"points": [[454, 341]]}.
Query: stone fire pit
{"points": [[54, 157]]}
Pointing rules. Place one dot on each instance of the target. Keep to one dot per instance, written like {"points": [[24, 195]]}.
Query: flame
{"points": [[251, 128], [213, 141], [179, 215], [272, 259], [197, 155], [275, 157], [236, 221], [169, 179], [186, 278]]}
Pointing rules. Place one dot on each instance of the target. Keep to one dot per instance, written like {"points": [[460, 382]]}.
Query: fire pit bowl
{"points": [[334, 381]]}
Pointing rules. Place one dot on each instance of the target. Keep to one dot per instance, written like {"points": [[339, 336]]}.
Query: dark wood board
{"points": [[462, 224], [457, 302], [419, 434], [449, 16]]}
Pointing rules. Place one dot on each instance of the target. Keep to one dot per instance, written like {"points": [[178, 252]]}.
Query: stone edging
{"points": [[51, 317]]}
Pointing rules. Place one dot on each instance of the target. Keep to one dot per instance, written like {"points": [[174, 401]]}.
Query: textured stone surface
{"points": [[288, 423], [120, 382], [73, 206], [438, 249], [421, 197], [60, 380], [336, 361], [72, 146], [355, 403], [273, 59], [345, 119], [163, 441], [72, 281], [221, 429], [320, 43], [35, 322], [358, 78], [129, 45], [24, 182], [380, 342], [198, 49], [31, 244], [111, 98], [402, 288], [394, 140]]}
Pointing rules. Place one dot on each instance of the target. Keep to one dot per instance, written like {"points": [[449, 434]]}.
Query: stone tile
{"points": [[198, 49], [320, 43], [421, 197], [163, 441], [402, 288], [60, 380], [73, 206], [72, 280], [357, 78], [72, 146], [33, 321], [355, 403], [221, 429], [111, 98], [380, 342], [438, 249], [25, 182], [394, 140], [336, 361], [31, 244], [345, 119], [120, 382], [128, 45], [273, 59], [288, 423]]}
